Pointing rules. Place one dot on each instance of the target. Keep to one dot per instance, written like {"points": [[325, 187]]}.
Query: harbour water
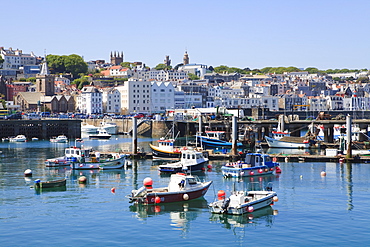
{"points": [[312, 210]]}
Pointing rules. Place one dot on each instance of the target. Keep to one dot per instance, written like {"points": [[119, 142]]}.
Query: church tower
{"points": [[186, 58], [116, 58], [45, 82]]}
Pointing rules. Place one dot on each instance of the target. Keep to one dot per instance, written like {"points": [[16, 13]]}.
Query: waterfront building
{"points": [[317, 103], [90, 101], [111, 100], [162, 96], [135, 96], [334, 102]]}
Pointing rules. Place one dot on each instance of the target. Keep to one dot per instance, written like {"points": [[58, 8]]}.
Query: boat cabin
{"points": [[179, 181], [219, 135], [166, 144], [256, 159], [190, 156]]}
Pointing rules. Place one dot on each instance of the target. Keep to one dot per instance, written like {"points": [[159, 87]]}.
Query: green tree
{"points": [[127, 65], [162, 66], [73, 64], [81, 82], [221, 69], [193, 77], [312, 70]]}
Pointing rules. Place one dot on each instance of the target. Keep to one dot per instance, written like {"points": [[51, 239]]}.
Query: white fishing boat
{"points": [[298, 142], [102, 134], [18, 138], [59, 139], [181, 187], [244, 201], [191, 160]]}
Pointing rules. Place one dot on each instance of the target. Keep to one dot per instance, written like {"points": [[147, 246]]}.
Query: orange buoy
{"points": [[157, 199], [274, 159], [221, 194], [275, 199]]}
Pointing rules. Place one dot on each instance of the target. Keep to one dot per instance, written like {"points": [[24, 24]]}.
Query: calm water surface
{"points": [[312, 210]]}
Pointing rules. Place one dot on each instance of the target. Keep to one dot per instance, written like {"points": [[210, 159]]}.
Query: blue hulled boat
{"points": [[255, 164]]}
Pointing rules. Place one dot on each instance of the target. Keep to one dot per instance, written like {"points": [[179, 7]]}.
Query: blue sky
{"points": [[240, 33]]}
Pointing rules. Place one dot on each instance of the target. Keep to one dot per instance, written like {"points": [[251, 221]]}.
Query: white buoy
{"points": [[286, 159], [323, 174], [301, 176], [186, 197], [28, 173]]}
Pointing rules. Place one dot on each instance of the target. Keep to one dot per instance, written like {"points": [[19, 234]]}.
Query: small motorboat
{"points": [[18, 138], [254, 164], [165, 150], [181, 187], [102, 134], [59, 139], [244, 201], [35, 139], [191, 160], [50, 184]]}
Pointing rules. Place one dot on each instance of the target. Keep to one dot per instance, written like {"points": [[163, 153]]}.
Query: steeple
{"points": [[44, 69]]}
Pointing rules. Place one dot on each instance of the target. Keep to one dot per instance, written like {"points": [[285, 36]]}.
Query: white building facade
{"points": [[135, 96], [162, 96], [90, 101], [111, 100]]}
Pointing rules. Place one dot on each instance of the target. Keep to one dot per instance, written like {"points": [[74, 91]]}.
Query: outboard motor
{"points": [[140, 192], [225, 204]]}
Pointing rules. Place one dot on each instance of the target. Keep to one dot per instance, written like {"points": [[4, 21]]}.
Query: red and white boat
{"points": [[181, 187]]}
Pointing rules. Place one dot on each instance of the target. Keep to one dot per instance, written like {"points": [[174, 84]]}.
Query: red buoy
{"points": [[209, 166], [260, 170], [113, 190], [148, 183], [251, 173], [250, 209], [278, 170], [157, 199]]}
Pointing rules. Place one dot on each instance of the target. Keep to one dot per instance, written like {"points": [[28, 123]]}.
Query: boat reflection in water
{"points": [[180, 213], [263, 216]]}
